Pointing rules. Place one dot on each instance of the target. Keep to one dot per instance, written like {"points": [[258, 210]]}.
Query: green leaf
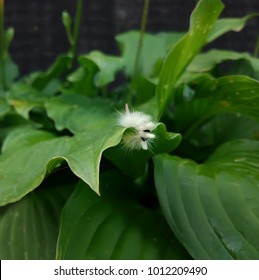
{"points": [[108, 66], [24, 98], [236, 94], [81, 114], [59, 67], [220, 129], [114, 226], [207, 61], [11, 122], [11, 72], [225, 25], [66, 20], [82, 80], [213, 207], [9, 35], [128, 43], [37, 153], [202, 20], [29, 228], [226, 127], [4, 107]]}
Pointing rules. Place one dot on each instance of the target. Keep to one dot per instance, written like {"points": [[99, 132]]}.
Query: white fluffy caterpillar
{"points": [[142, 126]]}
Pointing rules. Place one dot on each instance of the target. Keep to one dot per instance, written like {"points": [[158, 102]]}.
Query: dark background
{"points": [[40, 36]]}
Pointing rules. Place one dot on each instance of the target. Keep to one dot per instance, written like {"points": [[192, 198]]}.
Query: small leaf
{"points": [[113, 226], [213, 207], [202, 20], [67, 22], [9, 35]]}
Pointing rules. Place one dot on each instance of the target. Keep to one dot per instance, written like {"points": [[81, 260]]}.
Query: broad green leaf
{"points": [[97, 119], [29, 227], [128, 43], [11, 122], [212, 208], [178, 58], [81, 114], [59, 67], [225, 25], [37, 153], [108, 66], [236, 94], [114, 226]]}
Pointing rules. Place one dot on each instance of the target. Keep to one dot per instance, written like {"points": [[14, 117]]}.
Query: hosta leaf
{"points": [[128, 43], [226, 127], [114, 226], [213, 207], [108, 66], [237, 94], [228, 24], [202, 20], [29, 227], [80, 114], [37, 153], [24, 97], [59, 67], [207, 61], [82, 80]]}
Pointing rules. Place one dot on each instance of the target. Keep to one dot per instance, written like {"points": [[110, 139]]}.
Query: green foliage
{"points": [[192, 194], [119, 216], [222, 192]]}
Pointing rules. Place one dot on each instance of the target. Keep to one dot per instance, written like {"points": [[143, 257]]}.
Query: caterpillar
{"points": [[140, 137]]}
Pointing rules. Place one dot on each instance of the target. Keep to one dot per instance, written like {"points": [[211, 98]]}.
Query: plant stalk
{"points": [[256, 50], [139, 48], [76, 30], [142, 31]]}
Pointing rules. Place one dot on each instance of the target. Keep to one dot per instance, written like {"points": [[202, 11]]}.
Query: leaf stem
{"points": [[139, 48], [256, 50], [142, 31], [76, 30]]}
